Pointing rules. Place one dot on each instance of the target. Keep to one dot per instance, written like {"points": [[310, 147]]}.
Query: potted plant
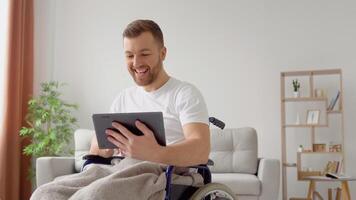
{"points": [[50, 124], [296, 87]]}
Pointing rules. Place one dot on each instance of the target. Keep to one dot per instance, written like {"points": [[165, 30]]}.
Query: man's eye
{"points": [[146, 54], [129, 56]]}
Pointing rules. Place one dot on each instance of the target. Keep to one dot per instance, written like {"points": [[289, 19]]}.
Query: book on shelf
{"points": [[333, 101], [338, 174], [331, 167], [339, 169], [334, 167]]}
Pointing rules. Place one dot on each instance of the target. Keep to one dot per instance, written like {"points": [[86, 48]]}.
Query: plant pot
{"points": [[296, 94]]}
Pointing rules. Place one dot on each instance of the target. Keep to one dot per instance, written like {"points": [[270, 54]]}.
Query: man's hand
{"points": [[144, 147], [94, 149]]}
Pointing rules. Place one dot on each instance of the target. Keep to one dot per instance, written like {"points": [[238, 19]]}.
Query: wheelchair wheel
{"points": [[213, 191]]}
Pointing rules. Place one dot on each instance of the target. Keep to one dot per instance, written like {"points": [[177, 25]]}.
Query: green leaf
{"points": [[32, 102], [38, 122], [28, 150], [23, 131]]}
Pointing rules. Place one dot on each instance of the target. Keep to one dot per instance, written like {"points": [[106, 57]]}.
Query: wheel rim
{"points": [[217, 194]]}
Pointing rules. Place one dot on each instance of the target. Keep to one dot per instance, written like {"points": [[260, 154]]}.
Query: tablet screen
{"points": [[153, 120]]}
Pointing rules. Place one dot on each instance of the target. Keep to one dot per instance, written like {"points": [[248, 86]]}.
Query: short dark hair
{"points": [[135, 28]]}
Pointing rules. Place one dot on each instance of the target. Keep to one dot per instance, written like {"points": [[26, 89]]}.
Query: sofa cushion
{"points": [[241, 184], [234, 150], [82, 138]]}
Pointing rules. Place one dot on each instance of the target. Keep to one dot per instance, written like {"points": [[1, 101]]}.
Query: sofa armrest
{"points": [[48, 168], [268, 173]]}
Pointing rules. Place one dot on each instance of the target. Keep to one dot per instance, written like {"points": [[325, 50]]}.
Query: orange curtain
{"points": [[14, 166]]}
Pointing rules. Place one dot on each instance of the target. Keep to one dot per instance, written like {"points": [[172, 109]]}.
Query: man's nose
{"points": [[136, 61]]}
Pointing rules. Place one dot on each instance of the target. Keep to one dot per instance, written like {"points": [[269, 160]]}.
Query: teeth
{"points": [[141, 71]]}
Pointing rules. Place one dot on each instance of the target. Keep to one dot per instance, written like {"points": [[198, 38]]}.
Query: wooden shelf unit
{"points": [[285, 127], [304, 125], [326, 152], [293, 99]]}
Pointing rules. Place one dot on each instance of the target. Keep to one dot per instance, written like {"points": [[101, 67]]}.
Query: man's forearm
{"points": [[186, 153]]}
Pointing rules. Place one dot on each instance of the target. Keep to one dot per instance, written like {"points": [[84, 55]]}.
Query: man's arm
{"points": [[94, 149], [193, 150]]}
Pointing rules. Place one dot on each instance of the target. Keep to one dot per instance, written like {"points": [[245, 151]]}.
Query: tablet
{"points": [[153, 120]]}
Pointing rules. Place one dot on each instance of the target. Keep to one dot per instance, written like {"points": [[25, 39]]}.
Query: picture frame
{"points": [[332, 167], [313, 117]]}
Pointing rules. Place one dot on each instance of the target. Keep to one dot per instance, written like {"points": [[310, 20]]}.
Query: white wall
{"points": [[233, 51]]}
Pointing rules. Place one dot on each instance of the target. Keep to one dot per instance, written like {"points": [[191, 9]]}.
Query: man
{"points": [[186, 127], [184, 111]]}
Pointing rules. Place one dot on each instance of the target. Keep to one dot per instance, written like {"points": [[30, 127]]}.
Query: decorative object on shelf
{"points": [[340, 168], [335, 147], [300, 148], [313, 117], [319, 147], [332, 167], [296, 87], [297, 120], [319, 93], [333, 101]]}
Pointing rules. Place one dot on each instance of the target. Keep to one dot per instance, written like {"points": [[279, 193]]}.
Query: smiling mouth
{"points": [[141, 71]]}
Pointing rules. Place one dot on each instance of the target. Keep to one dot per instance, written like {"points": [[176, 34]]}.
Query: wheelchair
{"points": [[209, 191]]}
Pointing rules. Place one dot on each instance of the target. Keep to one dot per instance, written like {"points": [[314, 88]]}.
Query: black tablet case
{"points": [[153, 120]]}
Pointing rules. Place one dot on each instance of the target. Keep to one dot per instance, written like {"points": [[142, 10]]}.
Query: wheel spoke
{"points": [[218, 194]]}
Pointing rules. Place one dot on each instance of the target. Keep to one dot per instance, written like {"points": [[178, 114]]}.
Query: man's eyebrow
{"points": [[142, 50], [145, 50]]}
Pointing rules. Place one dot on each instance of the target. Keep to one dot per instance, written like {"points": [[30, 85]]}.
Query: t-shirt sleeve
{"points": [[116, 106], [191, 106]]}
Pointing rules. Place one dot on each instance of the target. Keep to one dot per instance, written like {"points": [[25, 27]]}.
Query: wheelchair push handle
{"points": [[217, 122]]}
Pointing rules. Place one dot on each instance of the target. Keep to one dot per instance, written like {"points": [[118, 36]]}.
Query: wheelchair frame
{"points": [[174, 191], [183, 192]]}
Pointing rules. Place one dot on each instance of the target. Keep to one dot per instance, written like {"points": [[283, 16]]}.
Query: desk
{"points": [[345, 191]]}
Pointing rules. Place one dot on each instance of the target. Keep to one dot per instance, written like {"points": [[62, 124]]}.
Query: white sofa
{"points": [[234, 152]]}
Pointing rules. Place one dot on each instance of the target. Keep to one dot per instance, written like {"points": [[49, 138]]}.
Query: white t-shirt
{"points": [[180, 102]]}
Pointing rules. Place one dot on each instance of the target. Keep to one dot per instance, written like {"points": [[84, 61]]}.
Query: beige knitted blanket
{"points": [[129, 179]]}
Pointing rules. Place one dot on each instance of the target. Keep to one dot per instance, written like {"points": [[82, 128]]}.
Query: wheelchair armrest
{"points": [[89, 159], [202, 169], [203, 166], [100, 159]]}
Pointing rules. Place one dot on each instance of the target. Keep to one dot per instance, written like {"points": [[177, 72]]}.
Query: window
{"points": [[4, 8]]}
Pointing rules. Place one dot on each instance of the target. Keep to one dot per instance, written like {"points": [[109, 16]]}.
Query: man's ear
{"points": [[163, 53]]}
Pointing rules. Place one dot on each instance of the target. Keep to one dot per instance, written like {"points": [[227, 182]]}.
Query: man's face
{"points": [[144, 58]]}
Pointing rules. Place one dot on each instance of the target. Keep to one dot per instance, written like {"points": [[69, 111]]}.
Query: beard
{"points": [[149, 76]]}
